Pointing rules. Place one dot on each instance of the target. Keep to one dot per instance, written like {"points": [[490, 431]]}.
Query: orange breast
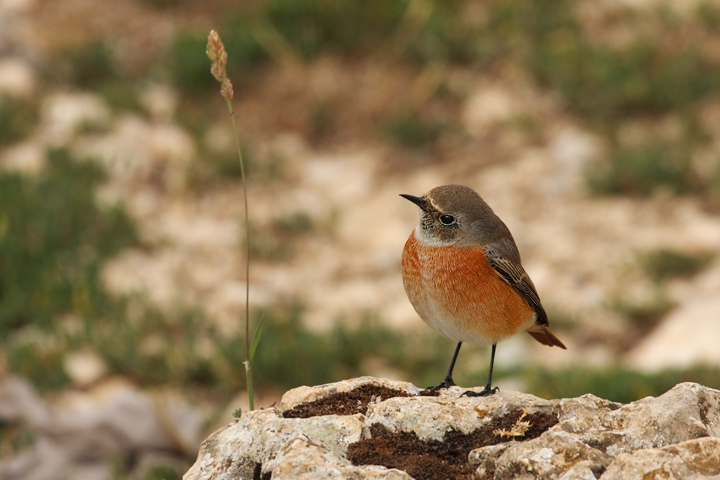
{"points": [[457, 292]]}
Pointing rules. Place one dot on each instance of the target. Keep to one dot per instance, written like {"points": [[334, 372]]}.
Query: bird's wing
{"points": [[506, 262]]}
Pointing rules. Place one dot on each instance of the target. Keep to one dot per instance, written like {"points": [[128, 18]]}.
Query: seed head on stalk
{"points": [[218, 57]]}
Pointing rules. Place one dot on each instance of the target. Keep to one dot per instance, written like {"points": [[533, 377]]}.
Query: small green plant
{"points": [[664, 264], [313, 27], [276, 242], [17, 119], [85, 66], [617, 383], [411, 130], [644, 313], [14, 439], [164, 3], [642, 170], [162, 472], [55, 242], [189, 65]]}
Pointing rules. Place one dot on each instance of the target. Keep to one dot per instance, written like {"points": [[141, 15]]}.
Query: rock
{"points": [[430, 418], [84, 368], [26, 157], [160, 102], [137, 152], [301, 459], [691, 459], [259, 435], [63, 115], [16, 6], [83, 435], [676, 435], [17, 78], [488, 107], [686, 337], [549, 456]]}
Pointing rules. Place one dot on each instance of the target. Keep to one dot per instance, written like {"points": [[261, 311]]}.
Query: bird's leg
{"points": [[487, 390], [448, 382]]}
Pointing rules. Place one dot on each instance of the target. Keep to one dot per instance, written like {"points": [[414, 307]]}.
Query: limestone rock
{"points": [[691, 459], [430, 418], [63, 115], [676, 435], [17, 78], [81, 435], [301, 459], [259, 435], [687, 336]]}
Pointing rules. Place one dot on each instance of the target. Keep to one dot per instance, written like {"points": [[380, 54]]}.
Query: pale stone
{"points": [[580, 471], [84, 367], [548, 456], [300, 459], [648, 423], [83, 432], [486, 457], [63, 115], [688, 336], [17, 6], [160, 101], [697, 458], [430, 418], [259, 435], [574, 148], [137, 152], [27, 157], [488, 107], [17, 78]]}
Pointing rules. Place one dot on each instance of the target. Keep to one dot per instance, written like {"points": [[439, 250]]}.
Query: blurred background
{"points": [[591, 127]]}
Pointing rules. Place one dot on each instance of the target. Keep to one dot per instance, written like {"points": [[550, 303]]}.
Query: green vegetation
{"points": [[17, 119], [313, 27], [189, 63], [411, 130], [56, 239], [664, 264], [93, 67], [616, 384], [163, 472], [276, 242], [645, 314], [645, 169]]}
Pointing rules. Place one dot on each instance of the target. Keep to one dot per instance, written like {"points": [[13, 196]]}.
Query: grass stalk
{"points": [[218, 56]]}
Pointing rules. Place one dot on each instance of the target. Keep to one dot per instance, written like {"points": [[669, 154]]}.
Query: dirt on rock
{"points": [[423, 460], [345, 403]]}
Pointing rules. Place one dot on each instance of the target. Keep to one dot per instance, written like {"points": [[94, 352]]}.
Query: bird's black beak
{"points": [[419, 201]]}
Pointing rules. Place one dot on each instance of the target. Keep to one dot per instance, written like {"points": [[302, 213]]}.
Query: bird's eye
{"points": [[447, 219]]}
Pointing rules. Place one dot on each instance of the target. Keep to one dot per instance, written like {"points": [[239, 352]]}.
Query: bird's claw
{"points": [[448, 382], [487, 391]]}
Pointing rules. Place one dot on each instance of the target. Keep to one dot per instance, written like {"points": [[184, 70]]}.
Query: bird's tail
{"points": [[543, 335]]}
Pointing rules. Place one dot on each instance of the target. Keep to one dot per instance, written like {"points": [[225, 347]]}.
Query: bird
{"points": [[463, 276]]}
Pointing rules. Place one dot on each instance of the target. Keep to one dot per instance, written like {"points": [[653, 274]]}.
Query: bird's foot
{"points": [[487, 391], [448, 382]]}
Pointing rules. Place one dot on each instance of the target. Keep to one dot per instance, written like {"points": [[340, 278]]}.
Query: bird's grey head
{"points": [[455, 215]]}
